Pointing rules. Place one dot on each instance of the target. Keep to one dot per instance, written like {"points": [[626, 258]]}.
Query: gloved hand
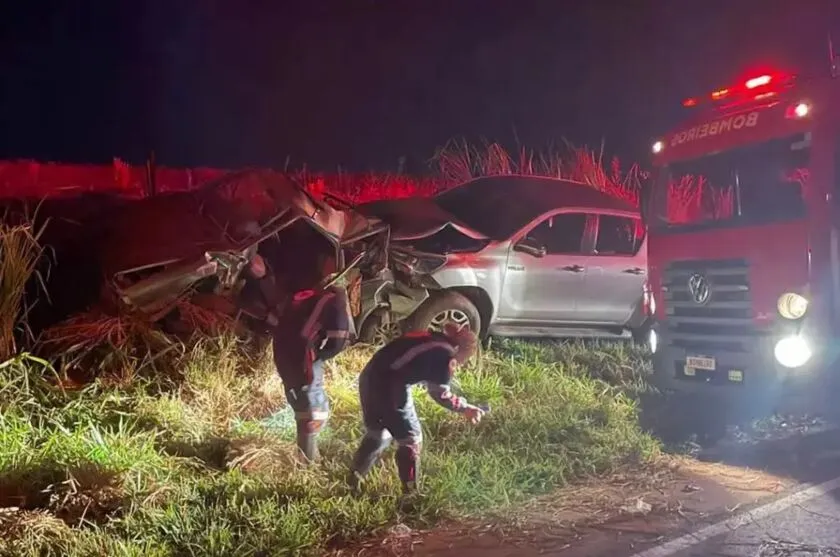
{"points": [[473, 414]]}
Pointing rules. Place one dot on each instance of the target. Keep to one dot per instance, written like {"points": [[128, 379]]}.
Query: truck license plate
{"points": [[699, 362]]}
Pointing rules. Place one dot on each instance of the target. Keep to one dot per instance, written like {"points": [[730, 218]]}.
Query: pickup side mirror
{"points": [[529, 246]]}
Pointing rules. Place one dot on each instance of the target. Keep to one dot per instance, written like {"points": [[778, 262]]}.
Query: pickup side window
{"points": [[560, 234], [618, 235]]}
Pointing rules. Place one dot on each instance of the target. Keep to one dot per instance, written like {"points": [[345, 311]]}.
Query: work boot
{"points": [[368, 453], [354, 481], [307, 440], [408, 466], [409, 502]]}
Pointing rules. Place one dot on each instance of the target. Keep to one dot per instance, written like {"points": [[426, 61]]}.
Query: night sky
{"points": [[360, 83]]}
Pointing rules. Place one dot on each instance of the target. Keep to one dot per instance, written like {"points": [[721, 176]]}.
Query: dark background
{"points": [[360, 83]]}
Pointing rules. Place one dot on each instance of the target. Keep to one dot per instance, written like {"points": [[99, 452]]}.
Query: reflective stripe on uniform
{"points": [[312, 320], [312, 415], [415, 351], [378, 435], [411, 441], [444, 393]]}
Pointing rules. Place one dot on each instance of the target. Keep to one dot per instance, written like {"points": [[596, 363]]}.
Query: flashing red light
{"points": [[756, 88], [759, 81], [762, 96], [719, 94]]}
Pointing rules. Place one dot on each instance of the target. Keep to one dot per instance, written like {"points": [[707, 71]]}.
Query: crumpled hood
{"points": [[237, 211], [168, 243], [415, 217]]}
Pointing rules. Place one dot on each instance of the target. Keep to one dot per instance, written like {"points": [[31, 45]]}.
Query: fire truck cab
{"points": [[744, 239]]}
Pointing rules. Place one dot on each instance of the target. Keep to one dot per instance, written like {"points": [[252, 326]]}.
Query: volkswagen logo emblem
{"points": [[699, 288]]}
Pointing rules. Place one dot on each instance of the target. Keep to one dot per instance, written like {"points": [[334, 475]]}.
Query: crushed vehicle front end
{"points": [[430, 251], [162, 251]]}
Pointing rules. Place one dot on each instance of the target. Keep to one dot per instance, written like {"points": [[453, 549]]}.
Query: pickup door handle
{"points": [[634, 271], [572, 268]]}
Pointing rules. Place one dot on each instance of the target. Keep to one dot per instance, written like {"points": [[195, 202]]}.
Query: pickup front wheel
{"points": [[446, 308], [379, 328]]}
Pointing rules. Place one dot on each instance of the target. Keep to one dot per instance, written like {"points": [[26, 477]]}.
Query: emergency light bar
{"points": [[766, 85]]}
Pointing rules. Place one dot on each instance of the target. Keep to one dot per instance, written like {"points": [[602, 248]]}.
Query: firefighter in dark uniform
{"points": [[387, 405], [315, 327]]}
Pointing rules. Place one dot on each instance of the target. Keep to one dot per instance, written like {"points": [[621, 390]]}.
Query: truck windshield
{"points": [[757, 183]]}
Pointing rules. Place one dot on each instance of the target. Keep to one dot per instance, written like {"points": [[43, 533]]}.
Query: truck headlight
{"points": [[653, 341], [792, 305], [650, 302], [792, 351]]}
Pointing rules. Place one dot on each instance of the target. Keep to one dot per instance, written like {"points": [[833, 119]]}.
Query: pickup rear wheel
{"points": [[446, 308]]}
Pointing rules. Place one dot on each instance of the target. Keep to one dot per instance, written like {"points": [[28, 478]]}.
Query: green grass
{"points": [[204, 464]]}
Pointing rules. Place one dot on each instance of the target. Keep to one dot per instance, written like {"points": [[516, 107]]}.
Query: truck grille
{"points": [[724, 321]]}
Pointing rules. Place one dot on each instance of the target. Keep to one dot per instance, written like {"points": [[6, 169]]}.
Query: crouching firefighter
{"points": [[387, 405], [316, 327]]}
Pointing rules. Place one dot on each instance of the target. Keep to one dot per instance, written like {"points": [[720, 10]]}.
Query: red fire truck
{"points": [[744, 247]]}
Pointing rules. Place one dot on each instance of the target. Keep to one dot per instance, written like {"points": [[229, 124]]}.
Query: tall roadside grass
{"points": [[20, 253], [203, 462], [459, 161]]}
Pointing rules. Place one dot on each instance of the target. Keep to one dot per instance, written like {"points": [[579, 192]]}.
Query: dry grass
{"points": [[20, 253], [205, 321], [266, 456], [94, 344], [691, 199], [360, 188], [459, 161]]}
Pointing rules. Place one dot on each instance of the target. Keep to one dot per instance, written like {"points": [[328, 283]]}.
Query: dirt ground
{"points": [[637, 506]]}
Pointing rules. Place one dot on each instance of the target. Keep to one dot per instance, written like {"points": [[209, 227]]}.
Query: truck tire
{"points": [[641, 334], [447, 306], [640, 325]]}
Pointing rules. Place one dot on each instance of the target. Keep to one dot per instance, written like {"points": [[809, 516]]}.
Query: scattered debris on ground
{"points": [[783, 548]]}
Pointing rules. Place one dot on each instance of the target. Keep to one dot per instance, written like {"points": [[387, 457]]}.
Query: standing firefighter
{"points": [[387, 405], [315, 327]]}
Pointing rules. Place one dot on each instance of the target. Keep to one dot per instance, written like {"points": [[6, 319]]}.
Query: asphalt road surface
{"points": [[804, 521]]}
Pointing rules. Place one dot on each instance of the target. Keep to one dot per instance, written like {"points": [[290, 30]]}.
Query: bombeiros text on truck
{"points": [[744, 246]]}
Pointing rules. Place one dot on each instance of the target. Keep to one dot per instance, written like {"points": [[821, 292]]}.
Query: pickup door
{"points": [[546, 288], [616, 271]]}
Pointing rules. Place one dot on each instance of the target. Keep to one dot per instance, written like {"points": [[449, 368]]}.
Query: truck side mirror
{"points": [[529, 246]]}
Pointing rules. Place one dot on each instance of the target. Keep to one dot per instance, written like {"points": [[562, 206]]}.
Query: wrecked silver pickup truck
{"points": [[511, 256]]}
